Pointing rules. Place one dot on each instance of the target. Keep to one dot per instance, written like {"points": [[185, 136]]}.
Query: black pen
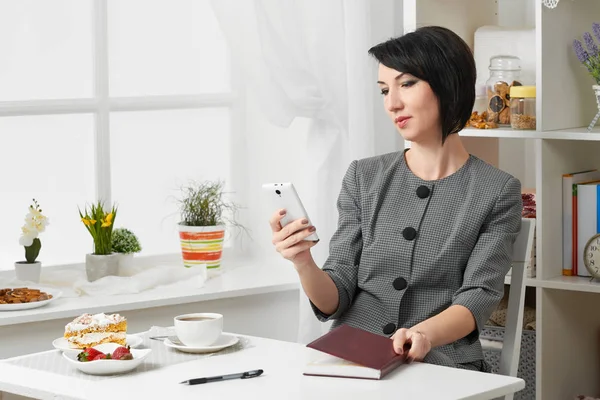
{"points": [[241, 375]]}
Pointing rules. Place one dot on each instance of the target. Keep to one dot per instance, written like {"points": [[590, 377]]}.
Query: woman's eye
{"points": [[408, 83], [385, 91]]}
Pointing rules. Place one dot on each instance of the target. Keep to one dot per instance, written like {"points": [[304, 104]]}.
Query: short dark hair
{"points": [[441, 58]]}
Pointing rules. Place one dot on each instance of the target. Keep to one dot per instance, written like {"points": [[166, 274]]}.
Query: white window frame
{"points": [[101, 105]]}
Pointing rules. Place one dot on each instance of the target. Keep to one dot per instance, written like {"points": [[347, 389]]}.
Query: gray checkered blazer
{"points": [[406, 249]]}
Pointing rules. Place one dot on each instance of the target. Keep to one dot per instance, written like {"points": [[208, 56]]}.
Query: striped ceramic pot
{"points": [[202, 245]]}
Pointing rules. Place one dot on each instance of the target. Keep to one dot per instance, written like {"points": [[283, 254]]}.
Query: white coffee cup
{"points": [[199, 329]]}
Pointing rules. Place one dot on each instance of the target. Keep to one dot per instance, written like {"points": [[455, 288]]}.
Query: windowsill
{"points": [[238, 278]]}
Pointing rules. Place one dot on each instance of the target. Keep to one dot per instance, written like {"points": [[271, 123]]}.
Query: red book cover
{"points": [[356, 354]]}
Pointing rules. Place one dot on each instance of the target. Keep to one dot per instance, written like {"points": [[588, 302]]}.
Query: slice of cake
{"points": [[90, 330]]}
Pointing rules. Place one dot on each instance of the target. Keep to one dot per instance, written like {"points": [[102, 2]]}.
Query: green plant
{"points": [[125, 241], [35, 223], [204, 204], [99, 224]]}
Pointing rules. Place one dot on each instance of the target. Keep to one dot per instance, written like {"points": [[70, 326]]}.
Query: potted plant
{"points": [[204, 208], [125, 243], [35, 223], [99, 223]]}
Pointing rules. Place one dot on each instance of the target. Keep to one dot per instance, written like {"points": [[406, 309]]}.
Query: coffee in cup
{"points": [[199, 329]]}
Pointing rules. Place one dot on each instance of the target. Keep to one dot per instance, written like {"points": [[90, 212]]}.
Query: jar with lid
{"points": [[505, 72], [522, 107]]}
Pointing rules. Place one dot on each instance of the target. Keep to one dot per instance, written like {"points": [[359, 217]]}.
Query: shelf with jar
{"points": [[580, 134], [504, 102]]}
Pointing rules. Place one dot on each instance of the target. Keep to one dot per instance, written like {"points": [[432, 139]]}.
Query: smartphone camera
{"points": [[278, 192]]}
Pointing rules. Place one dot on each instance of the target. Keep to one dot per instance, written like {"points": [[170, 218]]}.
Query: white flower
{"points": [[35, 223], [29, 229], [41, 222], [27, 239], [30, 232], [34, 212]]}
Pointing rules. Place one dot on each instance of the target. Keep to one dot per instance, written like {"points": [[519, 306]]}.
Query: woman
{"points": [[425, 236]]}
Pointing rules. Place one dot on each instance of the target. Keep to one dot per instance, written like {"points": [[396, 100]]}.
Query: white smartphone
{"points": [[284, 195]]}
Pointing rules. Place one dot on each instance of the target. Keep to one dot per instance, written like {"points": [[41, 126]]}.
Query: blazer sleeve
{"points": [[490, 260], [345, 246]]}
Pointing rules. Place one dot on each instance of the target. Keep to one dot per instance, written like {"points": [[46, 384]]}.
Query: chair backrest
{"points": [[511, 346]]}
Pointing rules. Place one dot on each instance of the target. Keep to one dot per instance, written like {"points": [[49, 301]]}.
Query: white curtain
{"points": [[308, 58]]}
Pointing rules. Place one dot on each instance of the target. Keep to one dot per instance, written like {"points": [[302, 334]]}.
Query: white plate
{"points": [[226, 340], [107, 367], [62, 343], [35, 304]]}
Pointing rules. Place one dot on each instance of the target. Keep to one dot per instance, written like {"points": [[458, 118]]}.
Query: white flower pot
{"points": [[125, 260], [99, 266], [29, 272], [126, 264]]}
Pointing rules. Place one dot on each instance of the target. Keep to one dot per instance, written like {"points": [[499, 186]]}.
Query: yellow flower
{"points": [[88, 221], [100, 227], [106, 222]]}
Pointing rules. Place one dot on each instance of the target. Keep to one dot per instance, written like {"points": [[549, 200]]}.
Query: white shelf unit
{"points": [[568, 322], [560, 134]]}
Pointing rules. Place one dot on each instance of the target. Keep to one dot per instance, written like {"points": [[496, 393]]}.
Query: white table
{"points": [[282, 379]]}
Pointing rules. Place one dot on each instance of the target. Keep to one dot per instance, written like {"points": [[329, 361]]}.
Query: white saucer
{"points": [[62, 343], [226, 340], [107, 367]]}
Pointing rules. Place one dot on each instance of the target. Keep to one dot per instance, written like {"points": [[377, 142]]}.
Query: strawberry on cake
{"points": [[91, 330]]}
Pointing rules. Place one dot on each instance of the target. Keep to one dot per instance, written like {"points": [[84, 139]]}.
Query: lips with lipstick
{"points": [[402, 121]]}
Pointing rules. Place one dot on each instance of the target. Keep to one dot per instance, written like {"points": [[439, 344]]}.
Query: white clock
{"points": [[591, 256]]}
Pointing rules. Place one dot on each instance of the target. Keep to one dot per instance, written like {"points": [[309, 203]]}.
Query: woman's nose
{"points": [[394, 101]]}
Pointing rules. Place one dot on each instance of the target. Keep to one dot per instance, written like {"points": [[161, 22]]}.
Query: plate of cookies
{"points": [[24, 298]]}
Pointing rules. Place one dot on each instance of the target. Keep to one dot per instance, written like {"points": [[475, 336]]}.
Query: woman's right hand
{"points": [[289, 241]]}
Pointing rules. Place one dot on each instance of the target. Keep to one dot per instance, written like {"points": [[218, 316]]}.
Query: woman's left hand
{"points": [[418, 342]]}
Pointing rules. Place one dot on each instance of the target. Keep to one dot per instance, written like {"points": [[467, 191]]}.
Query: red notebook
{"points": [[353, 353]]}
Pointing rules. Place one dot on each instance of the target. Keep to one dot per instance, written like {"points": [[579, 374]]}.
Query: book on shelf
{"points": [[570, 218], [588, 219], [348, 352]]}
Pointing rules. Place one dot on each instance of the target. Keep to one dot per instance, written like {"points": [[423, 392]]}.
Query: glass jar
{"points": [[522, 107], [505, 72]]}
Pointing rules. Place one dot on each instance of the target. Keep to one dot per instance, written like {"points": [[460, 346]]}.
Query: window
{"points": [[153, 153], [45, 158], [99, 100], [46, 50], [171, 48]]}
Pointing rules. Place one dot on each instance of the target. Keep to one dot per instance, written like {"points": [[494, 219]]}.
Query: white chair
{"points": [[511, 346]]}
